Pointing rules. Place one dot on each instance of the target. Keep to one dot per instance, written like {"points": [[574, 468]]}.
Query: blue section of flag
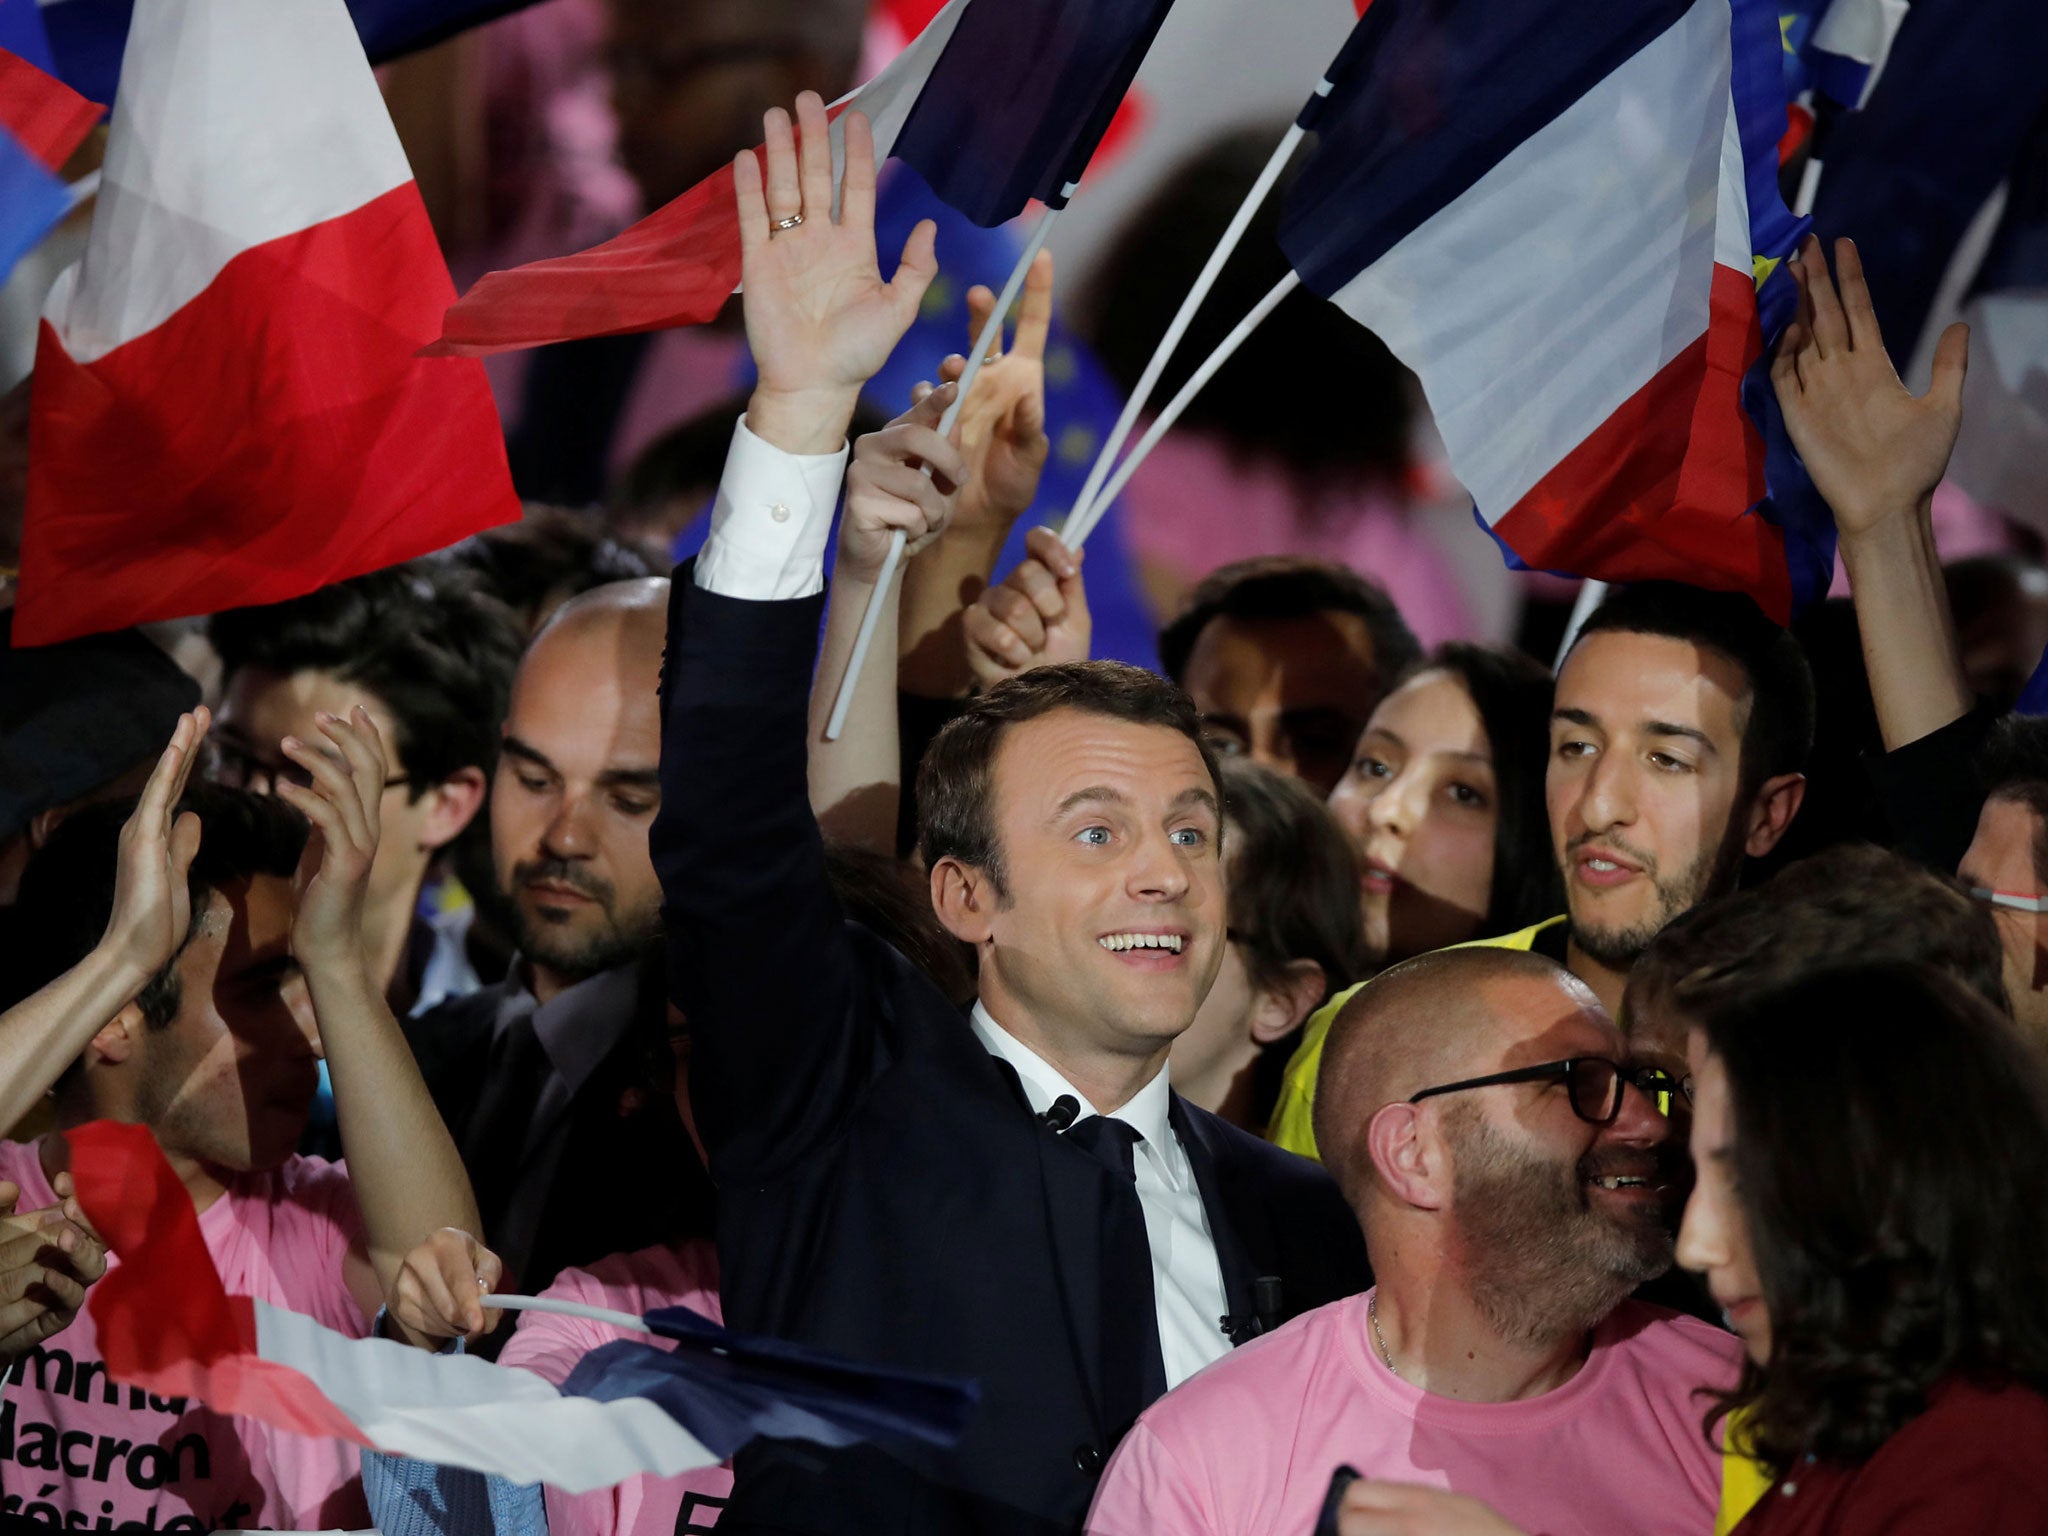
{"points": [[727, 1388], [1428, 96], [22, 34], [1830, 76], [31, 202], [87, 36], [1020, 98]]}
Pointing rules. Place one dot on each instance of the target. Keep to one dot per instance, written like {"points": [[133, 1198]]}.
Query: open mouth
{"points": [[1624, 1181], [1119, 943]]}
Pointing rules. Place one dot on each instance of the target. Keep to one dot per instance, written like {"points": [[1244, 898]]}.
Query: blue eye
{"points": [[1190, 837], [1096, 837]]}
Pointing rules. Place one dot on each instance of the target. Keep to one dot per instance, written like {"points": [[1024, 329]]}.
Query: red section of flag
{"points": [[276, 434], [1798, 128], [1133, 117], [42, 112], [165, 1322], [913, 16], [1674, 472]]}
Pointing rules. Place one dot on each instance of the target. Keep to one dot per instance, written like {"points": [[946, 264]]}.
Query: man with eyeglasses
{"points": [[1509, 1167]]}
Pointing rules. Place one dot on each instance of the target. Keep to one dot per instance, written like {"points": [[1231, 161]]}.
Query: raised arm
{"points": [[408, 1178], [45, 1033], [761, 963], [1876, 454]]}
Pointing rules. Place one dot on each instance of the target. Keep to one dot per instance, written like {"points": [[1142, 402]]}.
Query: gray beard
{"points": [[1544, 1265]]}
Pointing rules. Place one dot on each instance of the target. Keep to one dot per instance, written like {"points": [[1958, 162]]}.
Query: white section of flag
{"points": [[463, 1412], [2004, 439], [237, 122], [1580, 264]]}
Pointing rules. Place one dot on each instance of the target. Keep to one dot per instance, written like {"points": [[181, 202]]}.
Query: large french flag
{"points": [[228, 407], [994, 103], [1565, 219], [166, 1324]]}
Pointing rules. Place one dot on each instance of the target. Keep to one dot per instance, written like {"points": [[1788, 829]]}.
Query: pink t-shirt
{"points": [[550, 1346], [77, 1450], [1247, 1447]]}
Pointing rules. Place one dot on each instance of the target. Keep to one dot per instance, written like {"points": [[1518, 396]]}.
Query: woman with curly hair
{"points": [[1872, 1145]]}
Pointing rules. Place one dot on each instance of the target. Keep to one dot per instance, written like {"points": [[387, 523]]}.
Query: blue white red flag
{"points": [[88, 37], [41, 122], [996, 102], [1566, 220], [166, 1324]]}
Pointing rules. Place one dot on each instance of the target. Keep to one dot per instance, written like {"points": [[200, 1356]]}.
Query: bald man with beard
{"points": [[544, 1078], [1510, 1171]]}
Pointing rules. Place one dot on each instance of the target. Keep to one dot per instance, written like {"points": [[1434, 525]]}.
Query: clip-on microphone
{"points": [[1062, 1113]]}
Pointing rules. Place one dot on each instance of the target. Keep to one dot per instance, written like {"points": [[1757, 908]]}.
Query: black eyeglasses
{"points": [[237, 767], [1594, 1084]]}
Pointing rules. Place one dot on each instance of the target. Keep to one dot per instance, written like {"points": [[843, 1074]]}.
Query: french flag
{"points": [[166, 1324], [995, 103], [41, 121], [1837, 48], [228, 407], [1565, 218]]}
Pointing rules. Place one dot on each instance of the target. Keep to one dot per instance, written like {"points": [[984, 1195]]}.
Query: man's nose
{"points": [[568, 834], [1638, 1124], [1609, 798]]}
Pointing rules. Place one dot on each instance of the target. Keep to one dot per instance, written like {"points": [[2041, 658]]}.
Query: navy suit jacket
{"points": [[884, 1188]]}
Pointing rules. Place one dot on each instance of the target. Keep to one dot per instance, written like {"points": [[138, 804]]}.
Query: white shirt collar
{"points": [[1146, 1113]]}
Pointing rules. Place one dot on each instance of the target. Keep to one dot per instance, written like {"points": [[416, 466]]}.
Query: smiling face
{"points": [[1109, 927], [230, 1079], [1556, 1218], [1644, 778], [1420, 805], [1714, 1241]]}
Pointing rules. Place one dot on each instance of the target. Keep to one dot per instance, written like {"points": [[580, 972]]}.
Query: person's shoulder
{"points": [[1976, 1459], [1274, 1167], [1671, 1343], [1275, 1367], [665, 1275], [1521, 938], [1988, 1422]]}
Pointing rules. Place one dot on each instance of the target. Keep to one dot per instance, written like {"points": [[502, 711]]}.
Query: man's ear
{"points": [[1291, 998], [45, 822], [118, 1039], [965, 899], [1771, 812], [1409, 1156], [451, 805]]}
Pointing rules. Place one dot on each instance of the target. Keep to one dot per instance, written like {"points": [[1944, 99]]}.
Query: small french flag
{"points": [[41, 121], [994, 103], [166, 1324], [1565, 218]]}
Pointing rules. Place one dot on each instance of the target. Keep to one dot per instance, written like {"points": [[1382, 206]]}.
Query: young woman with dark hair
{"points": [[1870, 1142], [1294, 938], [1444, 802]]}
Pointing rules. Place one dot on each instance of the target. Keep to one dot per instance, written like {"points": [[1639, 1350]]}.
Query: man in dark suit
{"points": [[1015, 1196], [551, 1081]]}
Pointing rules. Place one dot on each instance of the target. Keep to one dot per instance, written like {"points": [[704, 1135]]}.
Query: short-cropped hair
{"points": [[955, 809], [1778, 734], [1832, 909], [1288, 587], [2014, 766]]}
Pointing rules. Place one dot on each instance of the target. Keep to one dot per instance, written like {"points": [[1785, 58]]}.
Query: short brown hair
{"points": [[954, 817], [1838, 907]]}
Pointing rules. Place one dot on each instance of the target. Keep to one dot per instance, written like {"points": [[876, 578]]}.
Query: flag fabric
{"points": [[1837, 48], [87, 37], [228, 407], [2001, 455], [22, 33], [994, 103], [1566, 220], [167, 1325], [41, 121]]}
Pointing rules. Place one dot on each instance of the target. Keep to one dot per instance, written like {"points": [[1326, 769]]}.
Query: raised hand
{"points": [[1002, 425], [343, 804], [1408, 1509], [440, 1286], [887, 490], [1036, 616], [152, 904], [820, 320], [1873, 449]]}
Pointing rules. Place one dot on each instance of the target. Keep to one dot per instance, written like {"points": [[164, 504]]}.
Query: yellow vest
{"points": [[1743, 1482], [1293, 1124]]}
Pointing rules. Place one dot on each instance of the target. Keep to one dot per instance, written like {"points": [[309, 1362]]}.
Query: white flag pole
{"points": [[1591, 593], [1077, 529], [1163, 353], [568, 1309], [991, 336]]}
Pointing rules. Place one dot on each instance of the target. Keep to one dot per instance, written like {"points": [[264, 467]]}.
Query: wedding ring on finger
{"points": [[789, 223]]}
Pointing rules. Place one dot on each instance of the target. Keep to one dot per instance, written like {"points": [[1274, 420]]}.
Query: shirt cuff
{"points": [[771, 521]]}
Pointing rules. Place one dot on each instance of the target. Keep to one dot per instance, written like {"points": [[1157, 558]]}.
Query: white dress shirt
{"points": [[1187, 1278], [767, 540]]}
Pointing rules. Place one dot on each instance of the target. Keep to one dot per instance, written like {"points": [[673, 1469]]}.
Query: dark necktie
{"points": [[1133, 1370], [517, 1072]]}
